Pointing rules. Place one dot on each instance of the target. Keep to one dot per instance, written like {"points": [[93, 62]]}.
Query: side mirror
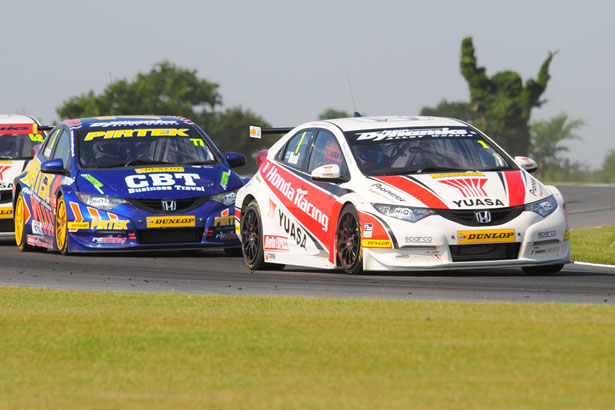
{"points": [[526, 163], [235, 159], [327, 173], [53, 166]]}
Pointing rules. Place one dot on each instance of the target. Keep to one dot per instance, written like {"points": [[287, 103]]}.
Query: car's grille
{"points": [[155, 205], [499, 216], [6, 196], [485, 252], [170, 235]]}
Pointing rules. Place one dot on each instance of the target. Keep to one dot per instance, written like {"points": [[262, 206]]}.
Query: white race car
{"points": [[398, 193], [19, 135]]}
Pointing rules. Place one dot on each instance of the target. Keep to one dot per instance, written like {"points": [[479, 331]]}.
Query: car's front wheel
{"points": [[20, 225], [252, 239], [542, 270], [61, 226], [348, 241]]}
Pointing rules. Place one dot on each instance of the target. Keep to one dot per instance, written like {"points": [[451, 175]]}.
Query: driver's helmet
{"points": [[373, 158], [105, 149]]}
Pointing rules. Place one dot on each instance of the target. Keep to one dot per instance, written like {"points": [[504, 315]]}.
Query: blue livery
{"points": [[129, 182]]}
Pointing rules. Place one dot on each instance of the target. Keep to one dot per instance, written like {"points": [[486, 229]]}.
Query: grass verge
{"points": [[64, 349], [595, 245]]}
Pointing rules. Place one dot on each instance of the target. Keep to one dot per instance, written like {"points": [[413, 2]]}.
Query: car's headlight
{"points": [[404, 213], [544, 207], [225, 198], [104, 202]]}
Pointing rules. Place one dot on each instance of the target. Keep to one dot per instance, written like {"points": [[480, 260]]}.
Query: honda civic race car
{"points": [[134, 182], [398, 193], [19, 135]]}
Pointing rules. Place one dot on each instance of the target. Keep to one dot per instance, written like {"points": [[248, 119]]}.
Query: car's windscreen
{"points": [[126, 147], [402, 151], [18, 141]]}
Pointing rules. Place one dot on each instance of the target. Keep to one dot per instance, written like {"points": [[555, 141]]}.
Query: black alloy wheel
{"points": [[348, 241], [252, 239]]}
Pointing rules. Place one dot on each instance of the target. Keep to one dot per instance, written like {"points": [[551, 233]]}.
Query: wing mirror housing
{"points": [[328, 173], [54, 166], [235, 159], [526, 163]]}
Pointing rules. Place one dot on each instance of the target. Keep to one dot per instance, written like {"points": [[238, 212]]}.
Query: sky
{"points": [[289, 61]]}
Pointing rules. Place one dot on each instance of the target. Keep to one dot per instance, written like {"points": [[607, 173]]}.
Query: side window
{"points": [[47, 148], [327, 151], [62, 150], [297, 149]]}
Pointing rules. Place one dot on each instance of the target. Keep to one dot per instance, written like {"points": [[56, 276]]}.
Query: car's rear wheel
{"points": [[542, 270], [20, 225], [61, 226], [252, 239], [348, 241]]}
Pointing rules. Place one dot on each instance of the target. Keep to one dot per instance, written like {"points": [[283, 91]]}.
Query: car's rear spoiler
{"points": [[46, 127], [256, 132]]}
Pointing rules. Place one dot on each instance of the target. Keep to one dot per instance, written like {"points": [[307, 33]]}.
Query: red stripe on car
{"points": [[516, 188], [422, 194]]}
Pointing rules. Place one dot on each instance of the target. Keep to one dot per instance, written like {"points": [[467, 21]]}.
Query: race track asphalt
{"points": [[211, 272]]}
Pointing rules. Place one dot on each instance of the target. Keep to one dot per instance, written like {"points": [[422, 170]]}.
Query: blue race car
{"points": [[131, 182]]}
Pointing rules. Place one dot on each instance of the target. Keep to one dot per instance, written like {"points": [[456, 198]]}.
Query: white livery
{"points": [[398, 193]]}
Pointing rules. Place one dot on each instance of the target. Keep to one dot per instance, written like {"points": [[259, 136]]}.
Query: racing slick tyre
{"points": [[20, 225], [61, 226], [252, 239], [348, 241], [542, 270]]}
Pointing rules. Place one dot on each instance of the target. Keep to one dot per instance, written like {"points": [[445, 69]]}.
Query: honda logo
{"points": [[169, 206], [483, 217]]}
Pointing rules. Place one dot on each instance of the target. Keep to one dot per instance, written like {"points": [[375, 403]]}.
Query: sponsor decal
{"points": [[170, 221], [162, 182], [276, 243], [109, 240], [469, 187], [2, 169], [368, 230], [38, 241], [499, 235], [417, 190], [137, 132], [37, 227], [121, 224], [269, 256], [379, 188], [293, 230], [297, 198], [73, 226], [412, 133], [376, 243], [159, 169], [478, 202], [6, 213], [17, 129], [418, 239], [224, 220], [133, 123], [458, 174], [224, 179], [272, 207], [6, 185], [92, 180], [547, 234]]}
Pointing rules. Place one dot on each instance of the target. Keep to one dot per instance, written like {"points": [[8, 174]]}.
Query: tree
{"points": [[331, 113], [502, 104], [547, 139], [165, 90], [230, 131], [607, 173], [460, 110]]}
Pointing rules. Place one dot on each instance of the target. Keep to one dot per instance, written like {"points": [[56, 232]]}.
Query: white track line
{"points": [[598, 265]]}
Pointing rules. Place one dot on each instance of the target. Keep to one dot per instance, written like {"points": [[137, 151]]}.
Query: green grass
{"points": [[64, 349], [596, 245]]}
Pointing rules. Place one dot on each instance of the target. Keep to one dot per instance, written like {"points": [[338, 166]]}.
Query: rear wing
{"points": [[256, 132]]}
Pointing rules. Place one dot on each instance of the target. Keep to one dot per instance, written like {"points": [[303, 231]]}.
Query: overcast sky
{"points": [[288, 61]]}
